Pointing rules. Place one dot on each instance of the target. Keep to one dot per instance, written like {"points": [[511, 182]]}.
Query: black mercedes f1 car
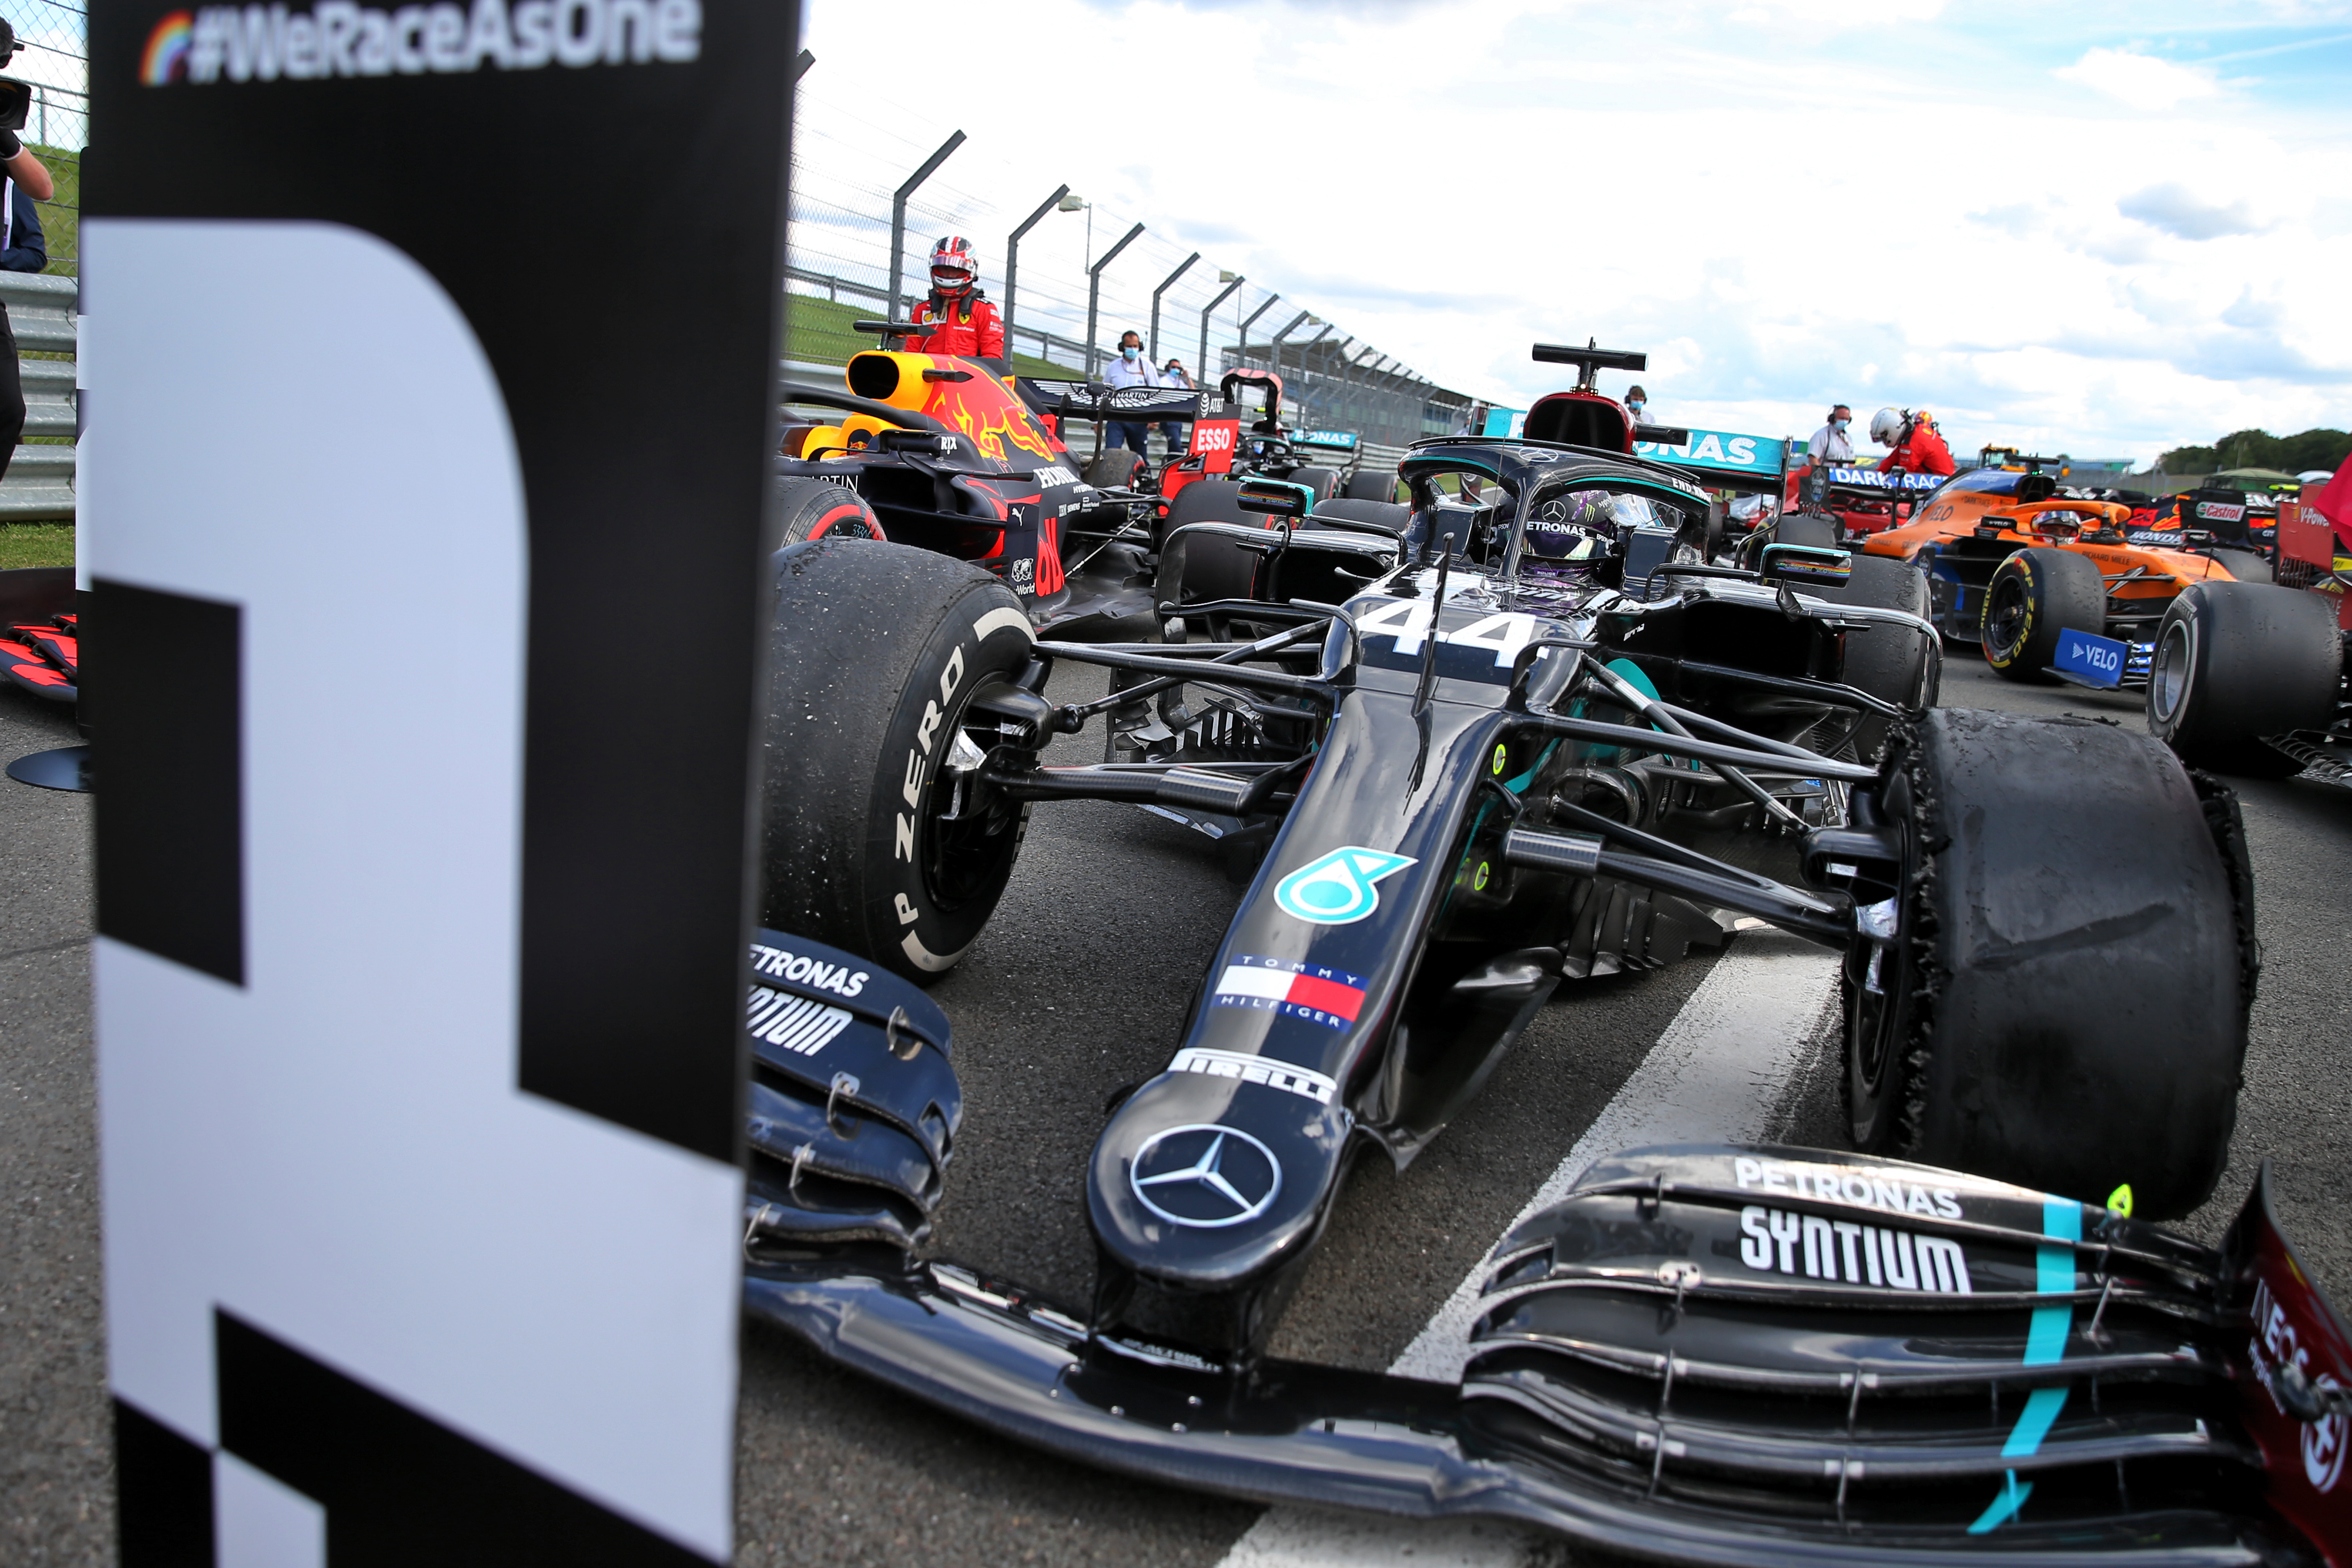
{"points": [[1482, 745]]}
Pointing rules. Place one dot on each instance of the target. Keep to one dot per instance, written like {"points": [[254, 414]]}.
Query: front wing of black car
{"points": [[1725, 1355]]}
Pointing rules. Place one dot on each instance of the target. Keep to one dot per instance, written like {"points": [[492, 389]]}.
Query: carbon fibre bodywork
{"points": [[1529, 737], [1728, 1355]]}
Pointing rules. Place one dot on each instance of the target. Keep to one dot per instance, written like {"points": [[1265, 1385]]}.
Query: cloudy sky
{"points": [[2100, 228]]}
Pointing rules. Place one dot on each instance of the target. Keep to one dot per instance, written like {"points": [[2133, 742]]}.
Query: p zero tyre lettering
{"points": [[877, 837]]}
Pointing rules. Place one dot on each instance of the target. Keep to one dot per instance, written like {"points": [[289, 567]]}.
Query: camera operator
{"points": [[24, 180]]}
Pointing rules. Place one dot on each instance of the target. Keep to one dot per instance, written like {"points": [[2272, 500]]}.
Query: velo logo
{"points": [[1339, 889]]}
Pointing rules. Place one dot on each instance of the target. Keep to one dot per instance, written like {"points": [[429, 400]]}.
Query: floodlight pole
{"points": [[1012, 260], [898, 217], [1155, 301], [1203, 368], [1094, 291]]}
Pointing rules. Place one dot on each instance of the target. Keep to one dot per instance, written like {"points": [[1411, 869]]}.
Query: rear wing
{"points": [[1873, 479], [1725, 460], [1091, 400], [1337, 443]]}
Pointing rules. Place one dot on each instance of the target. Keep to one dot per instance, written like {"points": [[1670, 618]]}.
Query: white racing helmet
{"points": [[955, 266], [1887, 426]]}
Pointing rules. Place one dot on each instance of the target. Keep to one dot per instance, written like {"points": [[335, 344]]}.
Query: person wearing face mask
{"points": [[1130, 369], [1637, 406], [1178, 432], [1830, 447]]}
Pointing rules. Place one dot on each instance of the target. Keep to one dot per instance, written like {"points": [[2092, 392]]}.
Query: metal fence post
{"points": [[1155, 301], [1241, 348], [899, 218], [1094, 292], [1275, 347], [1307, 377], [1202, 368]]}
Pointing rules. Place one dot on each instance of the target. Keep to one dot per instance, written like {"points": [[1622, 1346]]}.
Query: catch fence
{"points": [[55, 63], [1056, 267]]}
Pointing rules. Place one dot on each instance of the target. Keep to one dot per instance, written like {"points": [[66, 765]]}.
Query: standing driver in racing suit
{"points": [[961, 320], [1918, 446]]}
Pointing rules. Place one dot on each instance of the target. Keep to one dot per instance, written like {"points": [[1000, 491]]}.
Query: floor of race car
{"points": [[1078, 988]]}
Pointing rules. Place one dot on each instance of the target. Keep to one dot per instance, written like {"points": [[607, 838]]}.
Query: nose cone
{"points": [[1203, 1181]]}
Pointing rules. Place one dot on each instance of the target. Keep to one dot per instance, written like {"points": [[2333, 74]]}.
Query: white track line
{"points": [[1716, 1075]]}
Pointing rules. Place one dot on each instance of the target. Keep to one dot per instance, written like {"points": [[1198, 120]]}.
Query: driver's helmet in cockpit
{"points": [[1579, 526]]}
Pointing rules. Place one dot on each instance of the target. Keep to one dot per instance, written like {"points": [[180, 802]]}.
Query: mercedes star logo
{"points": [[1205, 1176]]}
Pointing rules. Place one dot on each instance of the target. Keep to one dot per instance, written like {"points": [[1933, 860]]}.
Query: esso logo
{"points": [[1213, 436]]}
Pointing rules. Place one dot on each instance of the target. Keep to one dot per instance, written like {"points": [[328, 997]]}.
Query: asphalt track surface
{"points": [[1078, 988]]}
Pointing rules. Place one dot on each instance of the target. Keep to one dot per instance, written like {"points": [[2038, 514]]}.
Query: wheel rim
{"points": [[2004, 618], [2168, 686], [1878, 1020], [969, 832]]}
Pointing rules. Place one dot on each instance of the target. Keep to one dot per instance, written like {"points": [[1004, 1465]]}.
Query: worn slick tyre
{"points": [[1894, 663], [876, 651], [2237, 661], [1324, 483], [2063, 1003], [1366, 485], [822, 509], [2035, 595], [1809, 529], [2245, 565], [1388, 514], [1209, 500], [1113, 468]]}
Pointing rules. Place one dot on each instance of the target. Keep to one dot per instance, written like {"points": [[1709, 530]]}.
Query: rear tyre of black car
{"points": [[1113, 468], [1804, 527], [869, 838], [1369, 486], [1387, 514], [1894, 663], [2035, 595], [2062, 1002], [1209, 500], [822, 508], [2237, 661], [2245, 565], [1324, 483]]}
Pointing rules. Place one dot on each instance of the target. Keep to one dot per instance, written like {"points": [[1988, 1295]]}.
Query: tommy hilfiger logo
{"points": [[1312, 992]]}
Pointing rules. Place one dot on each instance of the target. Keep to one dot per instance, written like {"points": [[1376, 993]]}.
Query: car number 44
{"points": [[1407, 620]]}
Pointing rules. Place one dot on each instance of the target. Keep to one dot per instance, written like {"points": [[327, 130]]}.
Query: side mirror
{"points": [[1275, 498], [1805, 565]]}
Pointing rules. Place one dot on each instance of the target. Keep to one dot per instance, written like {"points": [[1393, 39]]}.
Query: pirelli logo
{"points": [[794, 1023], [1777, 1241]]}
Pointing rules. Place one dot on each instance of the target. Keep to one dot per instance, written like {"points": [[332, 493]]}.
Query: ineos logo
{"points": [[1204, 1177], [2323, 1444]]}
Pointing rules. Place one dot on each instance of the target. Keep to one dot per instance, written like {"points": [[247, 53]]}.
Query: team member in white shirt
{"points": [[1130, 369], [1828, 449]]}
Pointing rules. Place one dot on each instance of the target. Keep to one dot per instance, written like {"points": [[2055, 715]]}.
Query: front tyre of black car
{"points": [[2057, 993], [877, 832]]}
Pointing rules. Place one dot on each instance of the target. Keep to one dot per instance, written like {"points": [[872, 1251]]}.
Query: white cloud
{"points": [[2180, 212], [2143, 80], [1781, 217]]}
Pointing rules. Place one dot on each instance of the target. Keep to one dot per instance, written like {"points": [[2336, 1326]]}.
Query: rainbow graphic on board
{"points": [[166, 58]]}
